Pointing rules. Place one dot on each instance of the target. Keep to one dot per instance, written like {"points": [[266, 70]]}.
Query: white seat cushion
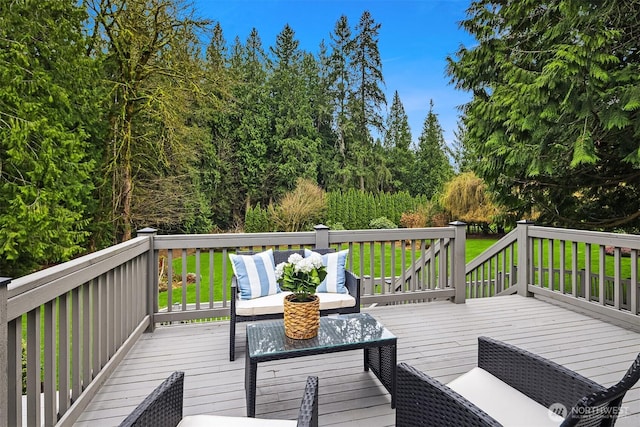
{"points": [[217, 420], [273, 304], [502, 402]]}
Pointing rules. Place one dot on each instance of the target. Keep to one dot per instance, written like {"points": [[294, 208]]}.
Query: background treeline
{"points": [[117, 115]]}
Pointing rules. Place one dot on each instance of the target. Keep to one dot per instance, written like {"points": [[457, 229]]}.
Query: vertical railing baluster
{"points": [[211, 279], [198, 281], [64, 355], [617, 282], [49, 373], [563, 249], [76, 339], [14, 373], [34, 413], [184, 280], [602, 270], [170, 280], [86, 334], [633, 304]]}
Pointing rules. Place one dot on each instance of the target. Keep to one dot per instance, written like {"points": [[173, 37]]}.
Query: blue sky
{"points": [[414, 40]]}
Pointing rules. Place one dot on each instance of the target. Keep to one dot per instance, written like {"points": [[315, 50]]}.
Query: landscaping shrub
{"points": [[382, 223], [256, 220], [300, 209], [413, 220]]}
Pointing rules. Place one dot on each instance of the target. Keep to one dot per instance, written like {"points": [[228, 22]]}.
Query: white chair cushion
{"points": [[502, 402], [218, 420], [274, 304], [330, 300]]}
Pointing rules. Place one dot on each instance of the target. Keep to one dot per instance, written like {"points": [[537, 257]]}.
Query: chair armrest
{"points": [[235, 291], [161, 408], [308, 413], [424, 401], [352, 282], [542, 380]]}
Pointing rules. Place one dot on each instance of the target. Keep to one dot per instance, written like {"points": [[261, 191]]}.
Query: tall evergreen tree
{"points": [[340, 82], [399, 156], [47, 108], [463, 158], [322, 113], [217, 164], [251, 121], [294, 148], [367, 98], [554, 116], [432, 168]]}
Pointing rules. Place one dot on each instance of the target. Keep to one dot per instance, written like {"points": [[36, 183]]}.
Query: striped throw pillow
{"points": [[256, 274], [335, 280]]}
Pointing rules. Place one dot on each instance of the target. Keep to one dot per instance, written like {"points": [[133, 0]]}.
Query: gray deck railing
{"points": [[203, 260], [64, 329], [592, 270]]}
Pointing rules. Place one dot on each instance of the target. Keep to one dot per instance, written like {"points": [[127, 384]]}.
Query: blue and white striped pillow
{"points": [[335, 280], [256, 274]]}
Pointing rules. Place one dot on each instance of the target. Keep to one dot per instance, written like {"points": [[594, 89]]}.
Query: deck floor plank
{"points": [[439, 338]]}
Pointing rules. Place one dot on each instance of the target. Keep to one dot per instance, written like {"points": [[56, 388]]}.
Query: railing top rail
{"points": [[583, 236], [356, 236], [231, 240], [39, 278]]}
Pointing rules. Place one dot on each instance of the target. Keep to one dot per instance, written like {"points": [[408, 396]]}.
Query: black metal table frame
{"points": [[375, 354]]}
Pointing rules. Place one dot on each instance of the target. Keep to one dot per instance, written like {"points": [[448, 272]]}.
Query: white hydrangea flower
{"points": [[305, 265], [294, 258], [280, 270], [316, 260]]}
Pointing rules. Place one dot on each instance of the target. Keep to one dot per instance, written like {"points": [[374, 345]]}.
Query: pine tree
{"points": [[251, 121], [397, 145], [294, 140], [432, 169], [367, 100]]}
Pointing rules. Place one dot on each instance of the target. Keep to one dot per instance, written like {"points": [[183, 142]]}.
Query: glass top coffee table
{"points": [[266, 341]]}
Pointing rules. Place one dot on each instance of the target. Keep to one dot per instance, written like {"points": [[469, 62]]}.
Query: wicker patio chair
{"points": [[352, 283], [424, 401], [163, 408]]}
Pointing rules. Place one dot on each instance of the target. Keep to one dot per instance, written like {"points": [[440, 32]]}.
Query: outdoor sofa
{"points": [[163, 408], [510, 387], [272, 306]]}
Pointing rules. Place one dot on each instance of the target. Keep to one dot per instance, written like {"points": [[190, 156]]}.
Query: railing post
{"points": [[523, 257], [322, 236], [458, 276], [4, 349], [152, 276]]}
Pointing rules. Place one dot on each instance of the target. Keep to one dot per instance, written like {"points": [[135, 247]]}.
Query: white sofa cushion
{"points": [[502, 402], [218, 420], [274, 304]]}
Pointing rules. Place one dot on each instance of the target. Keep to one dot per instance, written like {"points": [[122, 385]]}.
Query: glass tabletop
{"points": [[268, 338]]}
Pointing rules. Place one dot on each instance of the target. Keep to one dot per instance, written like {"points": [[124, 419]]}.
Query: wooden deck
{"points": [[439, 338]]}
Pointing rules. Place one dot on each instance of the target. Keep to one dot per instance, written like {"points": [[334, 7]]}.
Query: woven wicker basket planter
{"points": [[301, 319]]}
